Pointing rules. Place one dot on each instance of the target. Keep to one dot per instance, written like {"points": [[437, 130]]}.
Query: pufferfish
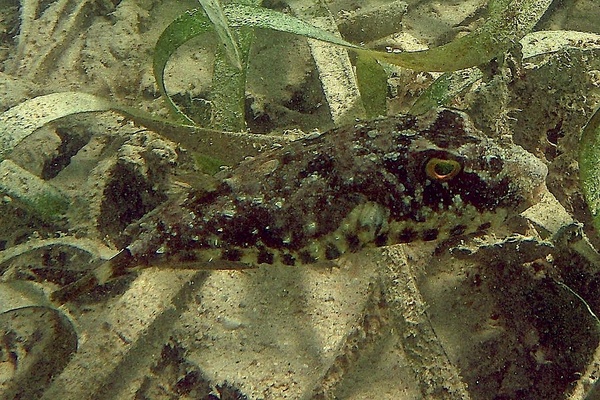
{"points": [[393, 180]]}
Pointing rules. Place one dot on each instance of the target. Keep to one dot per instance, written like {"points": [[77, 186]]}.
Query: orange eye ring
{"points": [[442, 170]]}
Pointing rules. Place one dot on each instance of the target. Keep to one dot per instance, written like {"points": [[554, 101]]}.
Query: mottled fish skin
{"points": [[371, 184]]}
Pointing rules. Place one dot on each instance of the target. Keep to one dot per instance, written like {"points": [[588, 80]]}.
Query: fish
{"points": [[375, 183]]}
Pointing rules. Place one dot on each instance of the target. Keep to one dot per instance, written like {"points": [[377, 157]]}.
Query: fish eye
{"points": [[442, 170]]}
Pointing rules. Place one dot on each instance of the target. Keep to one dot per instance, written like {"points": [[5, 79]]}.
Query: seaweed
{"points": [[589, 168], [508, 22]]}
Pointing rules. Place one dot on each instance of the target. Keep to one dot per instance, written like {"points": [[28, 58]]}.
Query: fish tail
{"points": [[118, 265]]}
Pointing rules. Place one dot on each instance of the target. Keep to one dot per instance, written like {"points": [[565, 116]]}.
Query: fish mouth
{"points": [[528, 176]]}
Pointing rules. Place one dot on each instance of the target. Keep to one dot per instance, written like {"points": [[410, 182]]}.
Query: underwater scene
{"points": [[300, 199]]}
